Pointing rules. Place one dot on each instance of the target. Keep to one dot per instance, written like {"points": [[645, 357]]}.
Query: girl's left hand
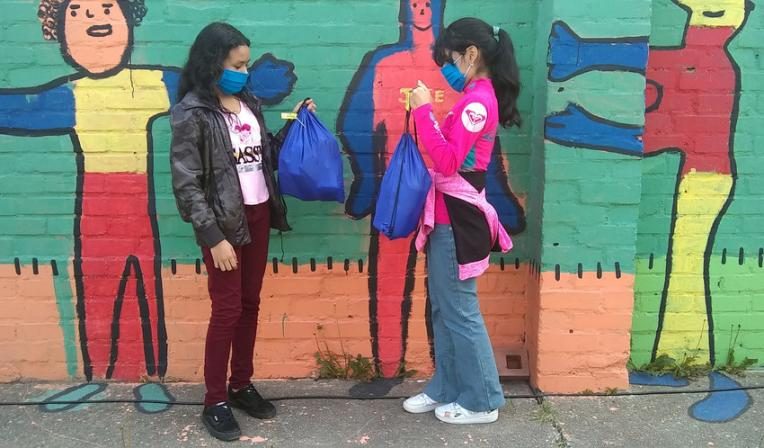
{"points": [[420, 96], [309, 104]]}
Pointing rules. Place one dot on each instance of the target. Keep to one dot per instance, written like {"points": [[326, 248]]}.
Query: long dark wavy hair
{"points": [[498, 56], [205, 62]]}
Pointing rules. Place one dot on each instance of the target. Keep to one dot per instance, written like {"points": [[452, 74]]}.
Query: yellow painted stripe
{"points": [[112, 117], [685, 322]]}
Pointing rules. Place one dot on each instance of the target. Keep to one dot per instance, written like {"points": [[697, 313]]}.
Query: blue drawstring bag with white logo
{"points": [[404, 189], [310, 163]]}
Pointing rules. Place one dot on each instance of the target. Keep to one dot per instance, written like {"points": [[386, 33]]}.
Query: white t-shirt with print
{"points": [[247, 152]]}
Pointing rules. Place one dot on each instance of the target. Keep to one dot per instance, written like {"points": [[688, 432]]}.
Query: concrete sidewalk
{"points": [[663, 421]]}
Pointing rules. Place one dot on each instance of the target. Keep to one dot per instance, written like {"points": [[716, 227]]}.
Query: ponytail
{"points": [[498, 55], [506, 80]]}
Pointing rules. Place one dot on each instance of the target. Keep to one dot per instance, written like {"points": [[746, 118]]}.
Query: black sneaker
{"points": [[249, 400], [221, 423]]}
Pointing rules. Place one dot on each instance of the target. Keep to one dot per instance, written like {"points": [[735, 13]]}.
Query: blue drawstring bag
{"points": [[404, 189], [310, 164]]}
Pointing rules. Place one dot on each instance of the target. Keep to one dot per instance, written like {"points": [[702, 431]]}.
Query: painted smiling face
{"points": [[716, 13], [421, 14], [95, 35]]}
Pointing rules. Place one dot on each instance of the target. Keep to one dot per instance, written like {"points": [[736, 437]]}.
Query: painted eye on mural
{"points": [[74, 9], [427, 4], [107, 8], [415, 5]]}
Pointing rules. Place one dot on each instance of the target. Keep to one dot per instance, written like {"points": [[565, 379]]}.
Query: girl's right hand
{"points": [[308, 103], [224, 257], [420, 96]]}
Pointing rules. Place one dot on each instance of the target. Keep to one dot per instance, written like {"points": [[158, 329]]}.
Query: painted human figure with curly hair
{"points": [[108, 108]]}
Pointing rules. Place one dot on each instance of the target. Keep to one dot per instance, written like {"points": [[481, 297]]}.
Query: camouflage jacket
{"points": [[204, 176]]}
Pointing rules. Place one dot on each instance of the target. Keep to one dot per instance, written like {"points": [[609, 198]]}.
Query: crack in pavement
{"points": [[549, 416]]}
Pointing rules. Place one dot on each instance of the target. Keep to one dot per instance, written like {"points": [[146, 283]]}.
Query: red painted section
{"points": [[394, 75], [694, 109], [114, 226]]}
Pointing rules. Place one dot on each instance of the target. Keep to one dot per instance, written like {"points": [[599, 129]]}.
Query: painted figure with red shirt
{"points": [[478, 60], [692, 99], [108, 108]]}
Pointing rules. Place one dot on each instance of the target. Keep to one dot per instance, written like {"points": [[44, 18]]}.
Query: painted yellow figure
{"points": [[692, 95]]}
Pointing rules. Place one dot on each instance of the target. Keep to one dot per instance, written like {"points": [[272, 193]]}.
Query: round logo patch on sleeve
{"points": [[474, 117]]}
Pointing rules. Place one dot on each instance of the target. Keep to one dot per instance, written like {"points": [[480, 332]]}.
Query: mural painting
{"points": [[117, 259], [692, 94]]}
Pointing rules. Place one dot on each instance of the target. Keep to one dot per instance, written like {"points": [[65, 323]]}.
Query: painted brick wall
{"points": [[322, 285], [594, 108], [586, 186], [699, 251]]}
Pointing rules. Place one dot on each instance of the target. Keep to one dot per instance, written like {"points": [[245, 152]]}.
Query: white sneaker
{"points": [[457, 415], [419, 404]]}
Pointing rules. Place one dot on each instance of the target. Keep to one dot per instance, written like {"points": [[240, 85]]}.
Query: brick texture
{"points": [[635, 220]]}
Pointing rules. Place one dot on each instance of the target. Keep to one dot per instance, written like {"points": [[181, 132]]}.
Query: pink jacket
{"points": [[464, 140]]}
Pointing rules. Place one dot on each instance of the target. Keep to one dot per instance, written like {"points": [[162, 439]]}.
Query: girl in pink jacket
{"points": [[460, 225]]}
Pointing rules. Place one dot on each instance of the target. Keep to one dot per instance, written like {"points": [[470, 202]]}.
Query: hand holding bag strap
{"points": [[406, 126], [304, 103]]}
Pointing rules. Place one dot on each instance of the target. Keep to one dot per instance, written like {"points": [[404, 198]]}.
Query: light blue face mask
{"points": [[455, 78], [232, 82]]}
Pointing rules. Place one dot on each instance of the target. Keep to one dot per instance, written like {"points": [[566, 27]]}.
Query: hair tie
{"points": [[496, 32]]}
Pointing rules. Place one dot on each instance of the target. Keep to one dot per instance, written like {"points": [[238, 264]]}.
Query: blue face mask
{"points": [[232, 82], [455, 78]]}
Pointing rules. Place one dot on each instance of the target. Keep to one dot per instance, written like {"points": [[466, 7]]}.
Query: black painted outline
{"points": [[669, 248], [373, 299], [659, 97], [162, 348], [132, 263], [407, 302], [714, 14]]}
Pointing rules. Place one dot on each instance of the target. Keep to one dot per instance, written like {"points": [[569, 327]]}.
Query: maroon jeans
{"points": [[235, 299]]}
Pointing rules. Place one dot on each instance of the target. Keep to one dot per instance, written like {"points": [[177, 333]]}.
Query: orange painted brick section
{"points": [[582, 332], [31, 339], [299, 312]]}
